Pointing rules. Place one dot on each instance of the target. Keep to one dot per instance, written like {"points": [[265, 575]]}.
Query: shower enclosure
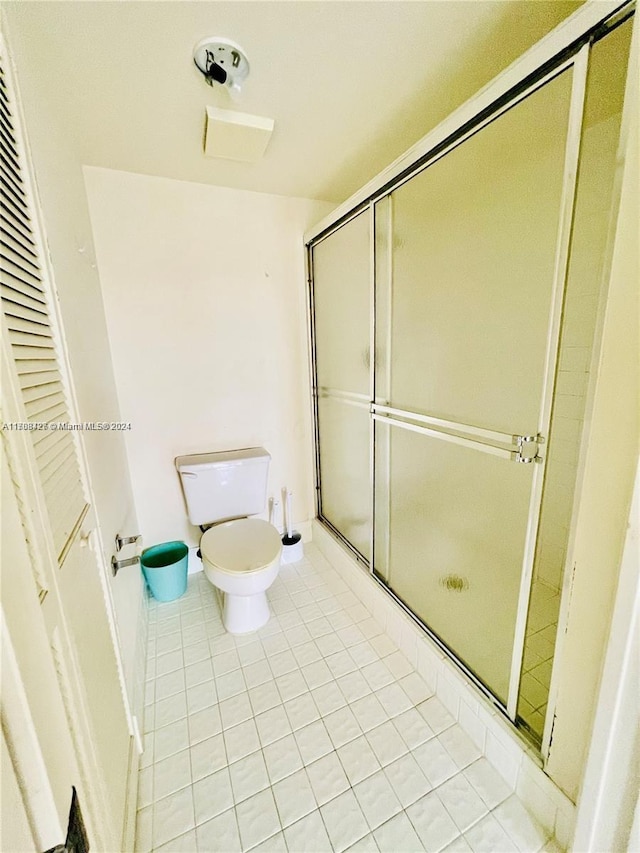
{"points": [[454, 311]]}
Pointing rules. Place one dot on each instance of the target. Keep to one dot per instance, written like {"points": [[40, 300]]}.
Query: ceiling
{"points": [[351, 85]]}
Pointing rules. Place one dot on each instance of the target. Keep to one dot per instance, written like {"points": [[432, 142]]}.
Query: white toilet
{"points": [[240, 555]]}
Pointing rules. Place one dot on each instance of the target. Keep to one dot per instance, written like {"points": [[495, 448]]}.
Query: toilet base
{"points": [[242, 614]]}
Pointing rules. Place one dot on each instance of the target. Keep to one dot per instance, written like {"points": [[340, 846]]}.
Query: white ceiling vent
{"points": [[236, 136]]}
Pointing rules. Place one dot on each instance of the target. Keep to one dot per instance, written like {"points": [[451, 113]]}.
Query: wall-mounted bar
{"points": [[324, 391], [121, 541], [360, 401], [446, 436], [116, 565], [479, 432]]}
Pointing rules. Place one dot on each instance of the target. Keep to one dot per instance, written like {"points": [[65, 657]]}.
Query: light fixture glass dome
{"points": [[222, 62]]}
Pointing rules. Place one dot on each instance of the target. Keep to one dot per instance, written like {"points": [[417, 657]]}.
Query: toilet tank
{"points": [[219, 486]]}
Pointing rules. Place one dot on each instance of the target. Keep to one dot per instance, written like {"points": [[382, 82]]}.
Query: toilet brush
{"points": [[292, 549], [273, 511]]}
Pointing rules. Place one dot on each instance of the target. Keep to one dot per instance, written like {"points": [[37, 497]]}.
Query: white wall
{"points": [[205, 301], [15, 832], [611, 784]]}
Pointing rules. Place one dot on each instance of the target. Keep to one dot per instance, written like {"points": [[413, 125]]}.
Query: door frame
{"points": [[95, 542], [36, 531]]}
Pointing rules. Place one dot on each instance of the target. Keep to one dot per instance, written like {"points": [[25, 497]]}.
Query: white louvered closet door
{"points": [[78, 653], [28, 326]]}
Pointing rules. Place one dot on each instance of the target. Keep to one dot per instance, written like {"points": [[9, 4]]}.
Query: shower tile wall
{"points": [[564, 441], [538, 656], [580, 315], [587, 266], [566, 431]]}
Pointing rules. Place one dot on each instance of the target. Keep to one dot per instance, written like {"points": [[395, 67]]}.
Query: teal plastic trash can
{"points": [[165, 569]]}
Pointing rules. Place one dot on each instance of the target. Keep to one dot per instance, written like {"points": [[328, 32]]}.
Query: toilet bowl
{"points": [[240, 553], [242, 558]]}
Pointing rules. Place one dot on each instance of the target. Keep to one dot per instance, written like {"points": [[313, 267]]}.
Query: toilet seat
{"points": [[241, 547]]}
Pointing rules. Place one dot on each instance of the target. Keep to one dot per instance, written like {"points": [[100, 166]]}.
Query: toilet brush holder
{"points": [[292, 548]]}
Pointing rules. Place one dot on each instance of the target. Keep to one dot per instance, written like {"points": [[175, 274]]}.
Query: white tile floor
{"points": [[315, 734]]}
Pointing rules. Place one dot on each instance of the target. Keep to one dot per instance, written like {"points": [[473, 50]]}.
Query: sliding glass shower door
{"points": [[466, 316], [453, 309], [342, 284]]}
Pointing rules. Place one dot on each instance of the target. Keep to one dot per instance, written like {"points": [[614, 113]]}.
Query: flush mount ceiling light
{"points": [[222, 61]]}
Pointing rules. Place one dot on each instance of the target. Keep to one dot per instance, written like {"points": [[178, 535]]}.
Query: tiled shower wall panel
{"points": [[565, 436], [581, 314]]}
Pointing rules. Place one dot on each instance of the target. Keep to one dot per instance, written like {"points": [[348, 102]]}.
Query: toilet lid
{"points": [[244, 545]]}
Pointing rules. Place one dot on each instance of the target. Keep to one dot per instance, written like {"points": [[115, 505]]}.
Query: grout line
{"points": [[342, 622]]}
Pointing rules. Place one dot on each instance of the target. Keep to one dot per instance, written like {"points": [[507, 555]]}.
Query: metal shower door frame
{"points": [[490, 441], [567, 46]]}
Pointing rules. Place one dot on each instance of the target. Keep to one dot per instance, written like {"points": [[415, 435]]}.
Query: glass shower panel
{"points": [[474, 245], [587, 260], [341, 307], [457, 527], [468, 299], [341, 288], [344, 469]]}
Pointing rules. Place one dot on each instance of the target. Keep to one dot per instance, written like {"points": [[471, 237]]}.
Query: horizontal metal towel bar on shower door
{"points": [[480, 432], [523, 448], [349, 398]]}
